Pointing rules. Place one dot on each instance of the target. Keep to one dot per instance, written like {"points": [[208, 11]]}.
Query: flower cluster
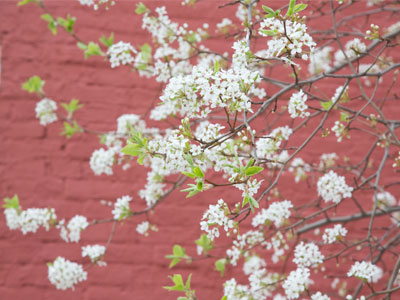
{"points": [[320, 296], [195, 94], [288, 37], [102, 161], [72, 232], [297, 105], [95, 253], [277, 213], [332, 187], [121, 54], [96, 3], [328, 160], [121, 208], [352, 49], [215, 217], [385, 199], [65, 274], [46, 111], [127, 122], [29, 220], [340, 130], [320, 60], [331, 235], [143, 228], [267, 147], [296, 282], [299, 168], [365, 271], [307, 255]]}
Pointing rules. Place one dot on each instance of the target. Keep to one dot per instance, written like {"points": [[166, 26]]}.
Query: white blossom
{"points": [[320, 60], [127, 122], [300, 168], [46, 111], [12, 218], [394, 27], [296, 282], [365, 271], [102, 161], [267, 147], [65, 274], [307, 255], [332, 187], [331, 235], [143, 228], [72, 232], [121, 208], [352, 49], [120, 54], [214, 218], [253, 264], [328, 160], [290, 38], [95, 253], [277, 213], [297, 105], [340, 130], [320, 296], [385, 199]]}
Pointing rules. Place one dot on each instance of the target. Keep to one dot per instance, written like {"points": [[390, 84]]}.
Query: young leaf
{"points": [[268, 10], [326, 105], [140, 8], [290, 11], [299, 7], [198, 172], [107, 41], [33, 85], [253, 170], [24, 2], [178, 281], [205, 243], [220, 265]]}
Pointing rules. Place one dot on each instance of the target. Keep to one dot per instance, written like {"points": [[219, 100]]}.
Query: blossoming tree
{"points": [[244, 122]]}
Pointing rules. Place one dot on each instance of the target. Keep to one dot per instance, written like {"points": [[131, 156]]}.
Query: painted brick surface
{"points": [[46, 170]]}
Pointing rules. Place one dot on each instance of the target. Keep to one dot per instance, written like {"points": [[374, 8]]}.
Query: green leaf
{"points": [[70, 130], [178, 253], [268, 32], [268, 10], [12, 203], [216, 66], [198, 172], [132, 149], [344, 117], [224, 298], [92, 49], [81, 45], [24, 2], [140, 8], [107, 41], [71, 107], [187, 284], [205, 243], [33, 85], [253, 170], [253, 203], [67, 24], [178, 281], [51, 22], [326, 105], [220, 265], [299, 7], [191, 175], [290, 11]]}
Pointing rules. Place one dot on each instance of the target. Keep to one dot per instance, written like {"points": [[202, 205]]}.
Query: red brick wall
{"points": [[46, 170]]}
